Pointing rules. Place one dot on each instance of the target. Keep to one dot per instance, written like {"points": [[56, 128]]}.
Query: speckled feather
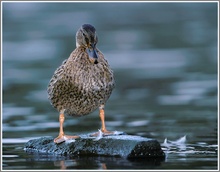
{"points": [[79, 86]]}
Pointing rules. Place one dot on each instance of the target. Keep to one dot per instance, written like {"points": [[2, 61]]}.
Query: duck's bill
{"points": [[93, 56]]}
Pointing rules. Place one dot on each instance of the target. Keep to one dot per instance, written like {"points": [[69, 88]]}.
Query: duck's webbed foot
{"points": [[63, 138], [103, 133]]}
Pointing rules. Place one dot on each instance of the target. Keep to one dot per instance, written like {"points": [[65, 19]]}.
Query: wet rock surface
{"points": [[116, 145]]}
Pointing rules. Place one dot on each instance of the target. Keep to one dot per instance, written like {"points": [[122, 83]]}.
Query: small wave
{"points": [[179, 141], [180, 146]]}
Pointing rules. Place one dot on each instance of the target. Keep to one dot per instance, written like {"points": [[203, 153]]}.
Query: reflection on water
{"points": [[164, 57], [98, 162]]}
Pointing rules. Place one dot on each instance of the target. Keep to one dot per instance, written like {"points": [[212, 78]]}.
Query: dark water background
{"points": [[164, 57]]}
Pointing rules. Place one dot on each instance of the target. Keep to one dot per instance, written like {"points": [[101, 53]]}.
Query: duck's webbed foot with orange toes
{"points": [[103, 130], [62, 137], [103, 133]]}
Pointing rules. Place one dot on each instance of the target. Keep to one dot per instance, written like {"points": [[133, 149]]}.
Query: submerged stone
{"points": [[115, 145]]}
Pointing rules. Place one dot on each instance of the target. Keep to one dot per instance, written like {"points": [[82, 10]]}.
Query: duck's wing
{"points": [[56, 81]]}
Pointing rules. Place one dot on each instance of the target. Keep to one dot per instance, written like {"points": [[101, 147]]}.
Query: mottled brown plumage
{"points": [[83, 82]]}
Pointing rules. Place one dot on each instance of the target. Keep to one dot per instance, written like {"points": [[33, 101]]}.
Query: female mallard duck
{"points": [[83, 82]]}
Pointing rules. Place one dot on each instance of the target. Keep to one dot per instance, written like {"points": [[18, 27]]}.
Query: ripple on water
{"points": [[137, 123], [16, 140], [180, 147], [10, 111], [36, 126]]}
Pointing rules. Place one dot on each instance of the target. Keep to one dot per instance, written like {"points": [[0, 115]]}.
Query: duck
{"points": [[82, 83]]}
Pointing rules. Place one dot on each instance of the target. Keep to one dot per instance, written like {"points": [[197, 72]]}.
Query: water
{"points": [[164, 57]]}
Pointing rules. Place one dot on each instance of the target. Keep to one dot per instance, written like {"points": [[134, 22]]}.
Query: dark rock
{"points": [[116, 145]]}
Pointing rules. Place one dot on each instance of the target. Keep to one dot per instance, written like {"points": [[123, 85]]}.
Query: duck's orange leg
{"points": [[103, 128], [102, 117], [62, 137]]}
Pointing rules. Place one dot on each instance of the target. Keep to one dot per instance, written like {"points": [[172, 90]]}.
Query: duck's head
{"points": [[87, 38]]}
